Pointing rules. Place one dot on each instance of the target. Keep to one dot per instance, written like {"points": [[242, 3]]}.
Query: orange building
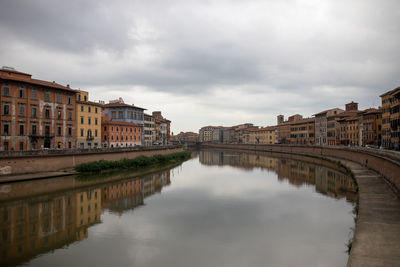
{"points": [[391, 119], [120, 134], [35, 114]]}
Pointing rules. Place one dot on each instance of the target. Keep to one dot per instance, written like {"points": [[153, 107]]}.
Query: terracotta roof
{"points": [[371, 111], [90, 103], [390, 92], [6, 76], [325, 111], [306, 120]]}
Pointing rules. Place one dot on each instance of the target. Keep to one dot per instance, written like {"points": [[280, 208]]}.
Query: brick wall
{"points": [[25, 163]]}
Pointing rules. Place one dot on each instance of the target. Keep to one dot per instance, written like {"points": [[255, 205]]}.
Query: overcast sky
{"points": [[210, 62]]}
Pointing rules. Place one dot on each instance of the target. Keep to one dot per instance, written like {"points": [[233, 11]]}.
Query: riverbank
{"points": [[376, 239], [31, 162]]}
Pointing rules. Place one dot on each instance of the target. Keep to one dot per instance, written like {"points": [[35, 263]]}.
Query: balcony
{"points": [[89, 138]]}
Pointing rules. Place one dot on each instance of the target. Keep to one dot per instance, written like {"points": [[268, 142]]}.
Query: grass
{"points": [[132, 164]]}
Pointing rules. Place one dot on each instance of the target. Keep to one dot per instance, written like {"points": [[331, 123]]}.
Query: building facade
{"points": [[302, 131], [88, 114], [371, 121], [391, 119], [120, 134], [149, 130], [321, 126], [35, 114], [117, 110], [162, 128], [265, 135]]}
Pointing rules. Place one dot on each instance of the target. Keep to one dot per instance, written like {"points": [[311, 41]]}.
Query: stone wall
{"points": [[387, 163], [21, 163]]}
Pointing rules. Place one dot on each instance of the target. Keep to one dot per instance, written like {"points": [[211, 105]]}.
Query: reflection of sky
{"points": [[218, 216]]}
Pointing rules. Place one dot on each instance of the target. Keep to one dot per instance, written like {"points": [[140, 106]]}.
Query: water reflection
{"points": [[231, 209], [297, 171], [40, 224]]}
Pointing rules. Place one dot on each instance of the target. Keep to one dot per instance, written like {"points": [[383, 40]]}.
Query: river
{"points": [[220, 208]]}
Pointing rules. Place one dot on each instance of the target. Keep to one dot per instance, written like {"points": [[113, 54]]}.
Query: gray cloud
{"points": [[301, 55]]}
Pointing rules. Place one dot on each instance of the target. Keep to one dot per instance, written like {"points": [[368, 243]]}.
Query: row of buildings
{"points": [[37, 114], [332, 127]]}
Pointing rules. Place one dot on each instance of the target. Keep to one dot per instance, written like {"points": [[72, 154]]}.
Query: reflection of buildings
{"points": [[326, 180], [38, 225]]}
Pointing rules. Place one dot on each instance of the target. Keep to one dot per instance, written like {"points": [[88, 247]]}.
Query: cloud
{"points": [[262, 57]]}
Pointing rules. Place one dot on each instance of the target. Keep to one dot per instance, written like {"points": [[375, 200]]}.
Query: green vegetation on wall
{"points": [[135, 163]]}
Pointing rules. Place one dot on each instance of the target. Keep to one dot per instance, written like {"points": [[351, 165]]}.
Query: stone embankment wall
{"points": [[387, 163], [45, 161]]}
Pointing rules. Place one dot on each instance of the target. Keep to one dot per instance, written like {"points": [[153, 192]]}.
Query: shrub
{"points": [[138, 162]]}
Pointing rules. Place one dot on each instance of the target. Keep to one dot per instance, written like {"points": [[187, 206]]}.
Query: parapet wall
{"points": [[387, 163], [20, 163]]}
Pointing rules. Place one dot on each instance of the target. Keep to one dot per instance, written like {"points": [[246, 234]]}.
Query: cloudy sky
{"points": [[210, 62]]}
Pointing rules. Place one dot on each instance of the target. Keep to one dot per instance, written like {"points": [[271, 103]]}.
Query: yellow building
{"points": [[88, 121], [88, 210], [264, 135]]}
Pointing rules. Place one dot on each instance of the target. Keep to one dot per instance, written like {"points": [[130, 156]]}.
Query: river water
{"points": [[216, 209]]}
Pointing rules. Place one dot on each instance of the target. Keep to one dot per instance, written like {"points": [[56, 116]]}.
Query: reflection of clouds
{"points": [[219, 216]]}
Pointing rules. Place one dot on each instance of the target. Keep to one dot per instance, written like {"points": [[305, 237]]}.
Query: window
{"points": [[34, 129], [59, 131], [95, 132], [47, 113], [47, 130], [59, 116], [81, 119], [89, 109], [21, 92], [69, 100], [85, 98], [120, 115], [105, 128], [69, 131], [47, 96], [6, 109], [6, 146], [21, 108], [89, 120], [34, 109], [89, 133], [95, 110], [82, 108], [6, 90], [69, 145], [21, 129], [21, 145], [34, 94], [79, 97], [95, 121], [6, 129], [59, 98], [69, 115]]}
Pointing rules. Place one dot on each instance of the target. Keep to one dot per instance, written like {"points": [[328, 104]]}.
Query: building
{"points": [[88, 114], [117, 110], [391, 119], [35, 114], [120, 134], [371, 127], [149, 130], [302, 131], [162, 128], [185, 137], [205, 133], [282, 130], [321, 126], [264, 135]]}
